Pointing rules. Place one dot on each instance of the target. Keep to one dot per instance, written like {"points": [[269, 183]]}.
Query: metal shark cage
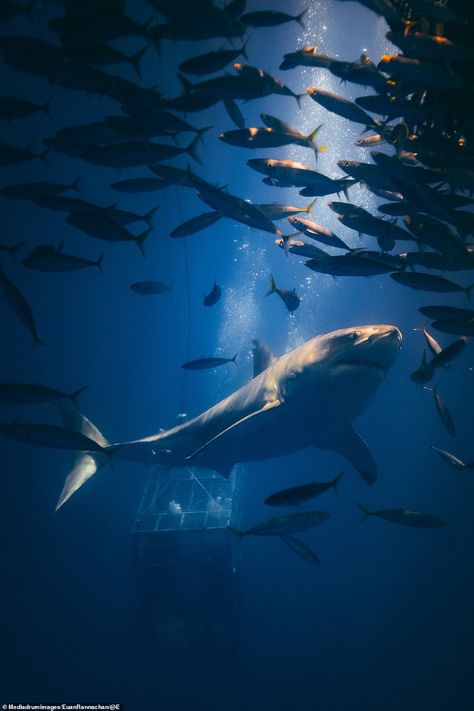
{"points": [[186, 561]]}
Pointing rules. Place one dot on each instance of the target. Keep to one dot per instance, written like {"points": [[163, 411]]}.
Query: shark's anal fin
{"points": [[354, 449], [220, 437]]}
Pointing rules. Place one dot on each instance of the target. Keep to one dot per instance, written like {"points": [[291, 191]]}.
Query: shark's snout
{"points": [[371, 347], [380, 345]]}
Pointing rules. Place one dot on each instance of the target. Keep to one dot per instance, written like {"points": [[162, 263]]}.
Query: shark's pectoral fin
{"points": [[236, 427], [352, 447]]}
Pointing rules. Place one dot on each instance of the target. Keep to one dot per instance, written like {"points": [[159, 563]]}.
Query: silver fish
{"points": [[285, 525]]}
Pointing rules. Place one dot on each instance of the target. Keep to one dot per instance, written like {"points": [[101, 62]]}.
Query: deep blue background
{"points": [[386, 622]]}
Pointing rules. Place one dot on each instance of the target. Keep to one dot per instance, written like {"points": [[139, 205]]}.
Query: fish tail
{"points": [[141, 239], [365, 512], [38, 342], [299, 18], [273, 286], [192, 149], [346, 186], [76, 185], [235, 357], [236, 531], [468, 291], [148, 216], [44, 155], [73, 396], [98, 263], [47, 108], [244, 48], [185, 83], [201, 131], [336, 481], [309, 207], [16, 248], [28, 8], [135, 60]]}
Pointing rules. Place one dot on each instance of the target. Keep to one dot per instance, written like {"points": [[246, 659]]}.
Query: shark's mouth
{"points": [[362, 363]]}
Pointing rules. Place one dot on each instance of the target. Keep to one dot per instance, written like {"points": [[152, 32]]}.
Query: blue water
{"points": [[386, 622]]}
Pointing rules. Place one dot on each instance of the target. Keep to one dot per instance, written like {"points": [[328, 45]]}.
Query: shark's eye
{"points": [[352, 336]]}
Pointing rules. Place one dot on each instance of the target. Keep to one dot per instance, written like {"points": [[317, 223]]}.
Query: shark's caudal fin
{"points": [[85, 464]]}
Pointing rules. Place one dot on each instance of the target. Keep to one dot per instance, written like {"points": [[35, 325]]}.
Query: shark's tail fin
{"points": [[86, 464]]}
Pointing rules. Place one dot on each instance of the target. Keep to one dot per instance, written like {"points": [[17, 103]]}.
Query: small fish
{"points": [[19, 306], [12, 249], [103, 226], [211, 61], [139, 185], [433, 344], [289, 298], [301, 549], [285, 525], [196, 224], [51, 436], [443, 411], [31, 191], [26, 394], [293, 246], [429, 282], [278, 211], [271, 18], [47, 258], [347, 208], [317, 232], [10, 9], [406, 517], [446, 355], [100, 54], [148, 288], [370, 141], [458, 327], [448, 457], [213, 296], [11, 155], [306, 57], [234, 113], [341, 106], [447, 312], [424, 373], [350, 265], [298, 494], [12, 108], [206, 363]]}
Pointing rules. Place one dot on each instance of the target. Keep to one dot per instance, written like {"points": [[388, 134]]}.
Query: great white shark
{"points": [[306, 398]]}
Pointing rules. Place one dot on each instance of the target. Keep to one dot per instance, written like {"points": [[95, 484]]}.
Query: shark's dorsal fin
{"points": [[354, 449], [262, 357], [221, 435]]}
